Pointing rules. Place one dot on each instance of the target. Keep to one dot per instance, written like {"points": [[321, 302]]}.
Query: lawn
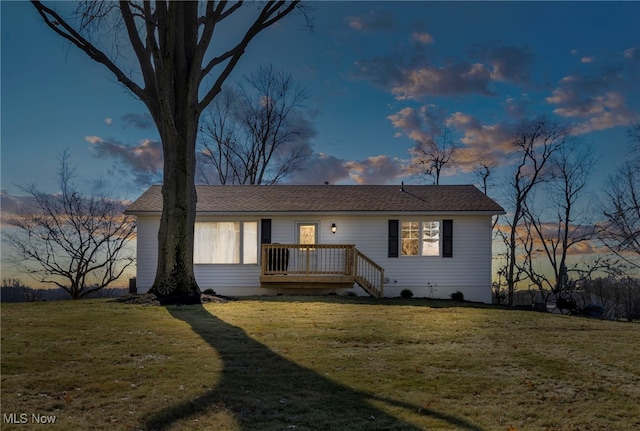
{"points": [[314, 363]]}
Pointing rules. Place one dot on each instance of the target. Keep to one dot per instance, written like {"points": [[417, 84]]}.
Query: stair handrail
{"points": [[369, 275]]}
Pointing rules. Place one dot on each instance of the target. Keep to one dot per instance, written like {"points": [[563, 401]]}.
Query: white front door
{"points": [[307, 234]]}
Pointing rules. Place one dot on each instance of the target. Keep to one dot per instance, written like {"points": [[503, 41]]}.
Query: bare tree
{"points": [[483, 171], [256, 134], [218, 137], [534, 144], [71, 240], [621, 232], [171, 44], [432, 154], [557, 224]]}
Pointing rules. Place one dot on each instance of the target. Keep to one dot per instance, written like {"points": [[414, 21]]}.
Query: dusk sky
{"points": [[376, 73]]}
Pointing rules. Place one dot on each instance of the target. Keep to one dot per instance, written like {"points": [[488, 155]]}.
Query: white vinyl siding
{"points": [[469, 270], [146, 252]]}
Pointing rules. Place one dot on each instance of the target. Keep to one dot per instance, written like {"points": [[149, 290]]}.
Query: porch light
{"points": [[334, 228]]}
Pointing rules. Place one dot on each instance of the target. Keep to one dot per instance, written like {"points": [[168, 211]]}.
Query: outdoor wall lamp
{"points": [[334, 228]]}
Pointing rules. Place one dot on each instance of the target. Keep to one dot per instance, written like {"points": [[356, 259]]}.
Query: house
{"points": [[378, 240]]}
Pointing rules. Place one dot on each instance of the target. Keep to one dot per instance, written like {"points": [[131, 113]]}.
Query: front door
{"points": [[307, 233], [306, 257]]}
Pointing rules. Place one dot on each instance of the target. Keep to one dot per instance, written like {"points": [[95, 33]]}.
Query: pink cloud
{"points": [[144, 161], [459, 78], [422, 38], [376, 170], [375, 20]]}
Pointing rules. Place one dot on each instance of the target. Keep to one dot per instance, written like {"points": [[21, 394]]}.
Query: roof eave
{"points": [[328, 213]]}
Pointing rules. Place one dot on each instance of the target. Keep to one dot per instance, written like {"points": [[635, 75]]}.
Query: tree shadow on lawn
{"points": [[263, 390]]}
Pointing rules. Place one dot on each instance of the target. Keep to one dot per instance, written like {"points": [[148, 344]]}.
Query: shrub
{"points": [[457, 296], [209, 292], [406, 294]]}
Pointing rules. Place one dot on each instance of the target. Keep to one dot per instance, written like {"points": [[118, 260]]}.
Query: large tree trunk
{"points": [[177, 81], [175, 280]]}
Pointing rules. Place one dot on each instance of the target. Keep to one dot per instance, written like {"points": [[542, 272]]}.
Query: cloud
{"points": [[451, 79], [138, 121], [144, 161], [422, 38], [17, 206], [375, 20], [376, 170], [10, 206], [591, 110], [599, 100], [410, 75], [108, 120], [587, 59], [428, 80], [477, 142], [507, 62], [517, 108], [632, 54], [419, 124], [484, 143], [382, 72], [323, 168]]}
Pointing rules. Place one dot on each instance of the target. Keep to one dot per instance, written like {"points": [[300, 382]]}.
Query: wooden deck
{"points": [[319, 266]]}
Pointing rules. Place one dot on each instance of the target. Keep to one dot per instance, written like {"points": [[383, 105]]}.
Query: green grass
{"points": [[316, 363]]}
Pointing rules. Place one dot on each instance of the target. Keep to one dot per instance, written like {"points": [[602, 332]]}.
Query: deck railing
{"points": [[313, 262], [303, 259], [369, 275]]}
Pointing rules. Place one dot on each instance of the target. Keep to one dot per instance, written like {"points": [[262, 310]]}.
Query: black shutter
{"points": [[447, 238], [265, 231], [394, 244]]}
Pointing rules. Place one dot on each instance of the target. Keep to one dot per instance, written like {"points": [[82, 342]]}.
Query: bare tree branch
{"points": [[621, 231], [535, 143], [254, 134], [432, 155], [73, 241], [62, 28]]}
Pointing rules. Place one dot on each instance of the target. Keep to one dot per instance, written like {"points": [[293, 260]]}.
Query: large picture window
{"points": [[226, 242], [420, 238]]}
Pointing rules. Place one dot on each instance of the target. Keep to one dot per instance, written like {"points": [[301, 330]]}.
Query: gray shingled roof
{"points": [[328, 198]]}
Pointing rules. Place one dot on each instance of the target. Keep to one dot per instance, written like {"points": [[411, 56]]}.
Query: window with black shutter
{"points": [[447, 238], [265, 231], [393, 239]]}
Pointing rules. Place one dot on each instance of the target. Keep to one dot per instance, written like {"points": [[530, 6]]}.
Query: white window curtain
{"points": [[204, 236], [250, 242], [430, 238], [217, 242]]}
